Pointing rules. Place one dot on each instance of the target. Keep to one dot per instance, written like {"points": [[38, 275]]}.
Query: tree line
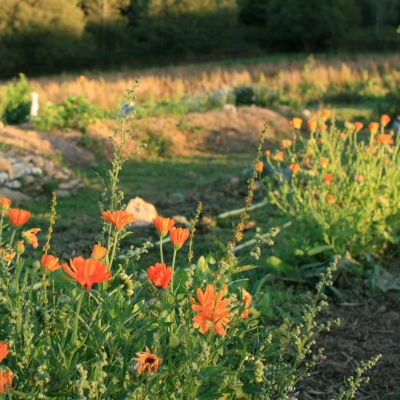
{"points": [[49, 36]]}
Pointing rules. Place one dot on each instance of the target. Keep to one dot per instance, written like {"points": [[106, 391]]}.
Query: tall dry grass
{"points": [[172, 83]]}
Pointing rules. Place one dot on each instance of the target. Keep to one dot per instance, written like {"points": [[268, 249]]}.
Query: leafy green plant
{"points": [[15, 101]]}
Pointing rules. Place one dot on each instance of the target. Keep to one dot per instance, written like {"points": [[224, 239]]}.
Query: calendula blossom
{"points": [[328, 178], [358, 126], [50, 262], [7, 255], [373, 127], [98, 252], [326, 114], [18, 217], [295, 168], [178, 236], [3, 351], [285, 143], [260, 166], [147, 361], [6, 376], [296, 123], [384, 138], [330, 199], [5, 204], [385, 119], [160, 275], [119, 218], [324, 162], [30, 237], [246, 300], [312, 125], [163, 225]]}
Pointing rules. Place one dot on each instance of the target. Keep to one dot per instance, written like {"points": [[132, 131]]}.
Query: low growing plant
{"points": [[99, 328]]}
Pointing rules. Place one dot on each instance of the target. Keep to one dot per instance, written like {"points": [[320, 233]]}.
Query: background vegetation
{"points": [[49, 36]]}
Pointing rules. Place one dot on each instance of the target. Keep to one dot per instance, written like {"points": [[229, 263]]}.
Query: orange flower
{"points": [[330, 199], [342, 135], [373, 127], [260, 166], [30, 237], [50, 262], [385, 119], [328, 178], [5, 204], [285, 143], [326, 114], [86, 272], [212, 310], [384, 138], [178, 236], [312, 125], [3, 351], [324, 162], [295, 168], [163, 225], [267, 153], [358, 126], [246, 300], [296, 123], [279, 157], [98, 252], [320, 140], [6, 376], [147, 360], [359, 178], [160, 275], [323, 127], [18, 217], [118, 218], [7, 255]]}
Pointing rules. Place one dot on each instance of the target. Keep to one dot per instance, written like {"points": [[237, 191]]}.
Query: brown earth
{"points": [[370, 320]]}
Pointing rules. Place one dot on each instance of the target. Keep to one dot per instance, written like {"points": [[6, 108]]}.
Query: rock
{"points": [[18, 169], [69, 185], [36, 171], [229, 108], [181, 219], [60, 175], [62, 193], [14, 195], [28, 179], [3, 177], [5, 164], [144, 212], [13, 184]]}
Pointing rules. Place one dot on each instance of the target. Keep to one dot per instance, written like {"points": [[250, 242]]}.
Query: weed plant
{"points": [[338, 187], [97, 328]]}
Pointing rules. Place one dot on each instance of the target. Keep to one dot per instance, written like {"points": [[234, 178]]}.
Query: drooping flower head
{"points": [[119, 218], [50, 262], [385, 119], [6, 376], [163, 225], [87, 272], [147, 360], [3, 351], [295, 168], [98, 252], [30, 237], [160, 275], [373, 127], [5, 204], [384, 138], [18, 217], [212, 310], [295, 123], [178, 236]]}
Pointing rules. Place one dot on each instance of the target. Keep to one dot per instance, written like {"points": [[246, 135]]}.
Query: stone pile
{"points": [[25, 178]]}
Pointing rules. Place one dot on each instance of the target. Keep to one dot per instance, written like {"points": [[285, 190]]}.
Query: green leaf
{"points": [[318, 250], [202, 266], [244, 268], [174, 341], [252, 389], [280, 268]]}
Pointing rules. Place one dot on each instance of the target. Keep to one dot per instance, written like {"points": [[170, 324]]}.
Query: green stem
{"points": [[12, 237], [161, 251], [173, 270], [78, 309], [1, 227]]}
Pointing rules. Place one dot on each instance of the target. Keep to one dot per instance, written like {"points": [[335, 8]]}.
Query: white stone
{"points": [[36, 171], [144, 212], [3, 177], [13, 184], [28, 179], [62, 193], [14, 195], [18, 169], [69, 185]]}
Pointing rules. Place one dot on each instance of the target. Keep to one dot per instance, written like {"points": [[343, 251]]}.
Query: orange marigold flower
{"points": [[267, 153], [328, 178], [119, 218], [359, 178], [98, 252], [285, 143], [178, 236], [87, 272], [6, 376], [342, 135], [384, 138], [358, 126], [212, 310], [324, 162], [163, 225], [260, 166], [296, 123], [279, 157], [312, 125], [330, 199], [323, 127], [7, 255], [50, 262], [3, 351], [385, 119], [147, 360], [373, 127], [18, 217], [246, 300], [5, 204], [160, 275], [295, 168], [30, 237], [326, 114]]}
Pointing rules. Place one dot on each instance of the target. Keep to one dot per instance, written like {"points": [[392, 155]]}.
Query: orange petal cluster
{"points": [[328, 178], [178, 236], [212, 310], [50, 262], [119, 218], [373, 127], [326, 114], [384, 138], [385, 119], [358, 126], [7, 255], [330, 199], [324, 162], [5, 204], [18, 217], [246, 300], [6, 374], [163, 225], [296, 123], [295, 168], [260, 166], [3, 351], [280, 156], [312, 125], [98, 252], [160, 275], [147, 360], [30, 237], [285, 143], [87, 272]]}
